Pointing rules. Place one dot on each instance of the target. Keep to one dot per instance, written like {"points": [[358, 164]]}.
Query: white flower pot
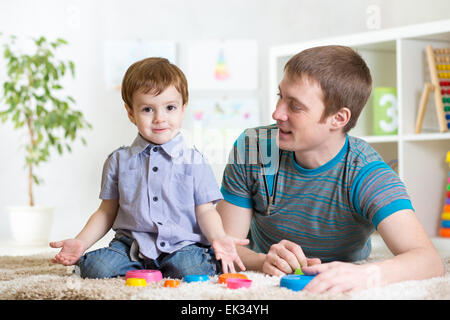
{"points": [[31, 225]]}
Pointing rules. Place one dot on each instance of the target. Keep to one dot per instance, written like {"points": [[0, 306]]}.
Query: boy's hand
{"points": [[72, 250], [225, 250]]}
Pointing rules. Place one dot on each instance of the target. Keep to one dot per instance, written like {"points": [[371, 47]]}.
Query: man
{"points": [[314, 203]]}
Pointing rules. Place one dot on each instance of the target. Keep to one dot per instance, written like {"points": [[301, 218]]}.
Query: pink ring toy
{"points": [[148, 275], [234, 283]]}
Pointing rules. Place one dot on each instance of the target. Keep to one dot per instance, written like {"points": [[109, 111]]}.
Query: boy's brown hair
{"points": [[342, 74], [153, 75]]}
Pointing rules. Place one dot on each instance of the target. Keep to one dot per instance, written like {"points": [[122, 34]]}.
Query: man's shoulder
{"points": [[360, 152]]}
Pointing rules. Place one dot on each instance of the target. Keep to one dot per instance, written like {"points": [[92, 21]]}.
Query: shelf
{"points": [[408, 137], [380, 139], [396, 58], [427, 137]]}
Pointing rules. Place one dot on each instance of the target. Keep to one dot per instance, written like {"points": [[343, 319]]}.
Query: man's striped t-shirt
{"points": [[330, 211]]}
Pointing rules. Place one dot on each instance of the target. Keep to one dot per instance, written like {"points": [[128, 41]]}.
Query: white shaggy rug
{"points": [[36, 278]]}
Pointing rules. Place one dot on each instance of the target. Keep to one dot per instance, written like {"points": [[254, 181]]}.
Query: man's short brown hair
{"points": [[153, 75], [342, 74]]}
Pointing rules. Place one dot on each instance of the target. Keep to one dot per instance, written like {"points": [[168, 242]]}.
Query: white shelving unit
{"points": [[396, 58]]}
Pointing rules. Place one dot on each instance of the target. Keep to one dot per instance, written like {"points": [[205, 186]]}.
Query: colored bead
{"points": [[445, 232], [445, 224]]}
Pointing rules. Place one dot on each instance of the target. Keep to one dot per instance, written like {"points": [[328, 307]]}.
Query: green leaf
{"points": [[33, 88]]}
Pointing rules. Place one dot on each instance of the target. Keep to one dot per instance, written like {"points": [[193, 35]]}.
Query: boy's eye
{"points": [[171, 107], [147, 109]]}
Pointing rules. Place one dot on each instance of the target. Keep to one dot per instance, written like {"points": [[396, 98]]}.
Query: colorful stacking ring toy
{"points": [[171, 283], [295, 282], [136, 282], [196, 278], [223, 277], [235, 283], [148, 275]]}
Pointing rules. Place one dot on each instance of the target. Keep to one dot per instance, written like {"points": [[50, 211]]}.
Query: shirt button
{"points": [[155, 149], [155, 198], [155, 169], [162, 243]]}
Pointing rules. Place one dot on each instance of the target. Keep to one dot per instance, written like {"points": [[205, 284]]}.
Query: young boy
{"points": [[328, 192], [158, 194]]}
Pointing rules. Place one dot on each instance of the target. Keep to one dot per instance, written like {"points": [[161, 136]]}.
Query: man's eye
{"points": [[295, 107]]}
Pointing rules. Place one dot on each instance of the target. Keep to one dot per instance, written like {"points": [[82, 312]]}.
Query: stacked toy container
{"points": [[445, 224]]}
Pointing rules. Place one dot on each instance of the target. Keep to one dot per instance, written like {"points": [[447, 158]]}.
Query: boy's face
{"points": [[158, 118], [298, 115]]}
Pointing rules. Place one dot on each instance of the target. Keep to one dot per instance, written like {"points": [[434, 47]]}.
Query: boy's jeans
{"points": [[115, 261]]}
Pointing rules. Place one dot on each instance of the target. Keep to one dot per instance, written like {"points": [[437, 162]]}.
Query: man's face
{"points": [[298, 115], [158, 118]]}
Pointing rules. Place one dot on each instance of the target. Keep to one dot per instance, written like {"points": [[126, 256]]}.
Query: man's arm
{"points": [[236, 222], [415, 258], [283, 257]]}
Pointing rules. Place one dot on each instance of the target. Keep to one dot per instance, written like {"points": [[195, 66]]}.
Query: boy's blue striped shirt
{"points": [[330, 210]]}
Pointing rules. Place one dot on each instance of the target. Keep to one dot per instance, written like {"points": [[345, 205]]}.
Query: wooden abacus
{"points": [[439, 67]]}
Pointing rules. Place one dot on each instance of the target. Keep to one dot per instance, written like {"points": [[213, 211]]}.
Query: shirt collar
{"points": [[172, 147]]}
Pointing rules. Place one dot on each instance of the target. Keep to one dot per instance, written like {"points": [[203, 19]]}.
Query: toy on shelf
{"points": [[439, 67], [445, 218]]}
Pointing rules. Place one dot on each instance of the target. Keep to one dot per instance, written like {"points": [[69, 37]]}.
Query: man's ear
{"points": [[340, 119], [130, 113]]}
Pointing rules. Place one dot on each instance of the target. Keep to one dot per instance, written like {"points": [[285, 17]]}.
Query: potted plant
{"points": [[33, 100]]}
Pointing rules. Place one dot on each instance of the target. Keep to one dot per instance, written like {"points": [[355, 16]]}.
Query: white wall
{"points": [[72, 181]]}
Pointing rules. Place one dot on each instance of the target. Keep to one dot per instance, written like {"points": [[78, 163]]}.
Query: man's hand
{"points": [[72, 250], [338, 277], [284, 257]]}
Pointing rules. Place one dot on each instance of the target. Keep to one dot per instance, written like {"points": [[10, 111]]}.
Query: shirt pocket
{"points": [[130, 185], [182, 186]]}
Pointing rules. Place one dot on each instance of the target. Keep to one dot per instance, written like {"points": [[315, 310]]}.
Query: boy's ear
{"points": [[341, 118], [130, 113]]}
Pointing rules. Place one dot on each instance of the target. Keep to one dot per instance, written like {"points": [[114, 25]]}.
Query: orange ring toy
{"points": [[171, 283], [223, 277]]}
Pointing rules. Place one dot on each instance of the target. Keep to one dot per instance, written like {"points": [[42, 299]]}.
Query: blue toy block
{"points": [[295, 282], [196, 278]]}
